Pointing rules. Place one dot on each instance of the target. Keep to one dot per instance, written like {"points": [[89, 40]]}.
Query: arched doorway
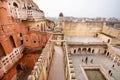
{"points": [[18, 67], [89, 50], [19, 71], [84, 50], [74, 51], [2, 51], [12, 42], [105, 52], [21, 39], [93, 51], [108, 54]]}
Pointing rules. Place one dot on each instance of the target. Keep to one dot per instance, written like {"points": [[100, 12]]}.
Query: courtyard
{"points": [[98, 59]]}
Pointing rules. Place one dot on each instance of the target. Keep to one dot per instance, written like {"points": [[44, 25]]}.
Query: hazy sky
{"points": [[80, 8]]}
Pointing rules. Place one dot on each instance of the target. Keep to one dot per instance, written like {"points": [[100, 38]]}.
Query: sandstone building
{"points": [[35, 48]]}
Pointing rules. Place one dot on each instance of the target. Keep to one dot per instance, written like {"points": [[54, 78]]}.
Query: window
{"points": [[15, 4], [34, 41]]}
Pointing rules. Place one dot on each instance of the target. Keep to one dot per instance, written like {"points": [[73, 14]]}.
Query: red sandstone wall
{"points": [[29, 59], [36, 39], [7, 46], [10, 74]]}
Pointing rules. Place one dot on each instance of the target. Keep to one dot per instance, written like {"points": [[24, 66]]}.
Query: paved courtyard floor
{"points": [[98, 59]]}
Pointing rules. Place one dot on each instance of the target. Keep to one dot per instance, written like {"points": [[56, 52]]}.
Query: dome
{"points": [[61, 14]]}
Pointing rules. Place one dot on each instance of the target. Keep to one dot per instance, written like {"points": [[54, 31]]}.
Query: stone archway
{"points": [[105, 51], [93, 51], [89, 50], [108, 54], [79, 50], [74, 51], [84, 50]]}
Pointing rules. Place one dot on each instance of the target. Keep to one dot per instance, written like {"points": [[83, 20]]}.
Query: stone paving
{"points": [[98, 59], [57, 65]]}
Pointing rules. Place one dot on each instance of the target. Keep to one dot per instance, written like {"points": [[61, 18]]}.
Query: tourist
{"points": [[109, 72], [113, 66], [86, 60]]}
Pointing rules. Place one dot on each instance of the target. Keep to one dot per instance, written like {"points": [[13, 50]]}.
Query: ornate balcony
{"points": [[8, 61], [26, 14], [34, 15]]}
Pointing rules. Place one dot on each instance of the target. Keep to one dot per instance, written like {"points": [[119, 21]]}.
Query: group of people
{"points": [[91, 61], [110, 72], [86, 60]]}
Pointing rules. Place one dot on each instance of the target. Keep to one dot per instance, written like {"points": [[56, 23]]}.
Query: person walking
{"points": [[86, 60], [113, 66], [109, 72]]}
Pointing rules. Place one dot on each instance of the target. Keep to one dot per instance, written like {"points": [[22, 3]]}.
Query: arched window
{"points": [[93, 51], [15, 4], [89, 49], [84, 49], [105, 52], [79, 49], [74, 50], [12, 42], [108, 54]]}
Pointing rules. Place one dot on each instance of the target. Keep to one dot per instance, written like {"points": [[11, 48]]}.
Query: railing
{"points": [[40, 65], [70, 73], [8, 61], [34, 14], [26, 14]]}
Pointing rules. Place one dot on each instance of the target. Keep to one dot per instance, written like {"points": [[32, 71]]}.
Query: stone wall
{"points": [[82, 29], [111, 31], [35, 39]]}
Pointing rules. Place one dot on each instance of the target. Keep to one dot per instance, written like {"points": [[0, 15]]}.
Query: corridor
{"points": [[57, 65]]}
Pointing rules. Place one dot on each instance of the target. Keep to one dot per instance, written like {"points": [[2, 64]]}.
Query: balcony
{"points": [[18, 14], [34, 15], [26, 14], [8, 61]]}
